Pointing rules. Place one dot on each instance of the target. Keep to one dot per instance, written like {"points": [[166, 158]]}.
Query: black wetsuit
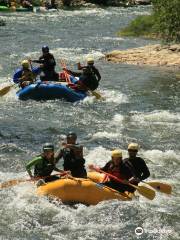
{"points": [[48, 69], [128, 168], [90, 77], [138, 167]]}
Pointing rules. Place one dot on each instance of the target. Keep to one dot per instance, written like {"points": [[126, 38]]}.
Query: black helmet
{"points": [[45, 49], [48, 146], [72, 134]]}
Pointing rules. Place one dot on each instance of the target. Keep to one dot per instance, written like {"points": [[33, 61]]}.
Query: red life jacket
{"points": [[114, 170]]}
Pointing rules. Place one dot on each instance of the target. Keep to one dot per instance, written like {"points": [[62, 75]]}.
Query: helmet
{"points": [[25, 63], [72, 134], [116, 153], [133, 146], [48, 146], [90, 60], [45, 49]]}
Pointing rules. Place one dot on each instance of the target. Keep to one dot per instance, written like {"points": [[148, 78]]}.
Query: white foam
{"points": [[157, 117], [162, 158], [117, 120], [98, 156], [115, 96], [105, 134]]}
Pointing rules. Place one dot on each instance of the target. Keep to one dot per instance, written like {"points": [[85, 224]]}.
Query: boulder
{"points": [[152, 55]]}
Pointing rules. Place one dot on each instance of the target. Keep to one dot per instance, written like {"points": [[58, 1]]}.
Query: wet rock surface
{"points": [[154, 55]]}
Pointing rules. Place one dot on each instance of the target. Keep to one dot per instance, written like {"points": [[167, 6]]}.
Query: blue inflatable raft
{"points": [[50, 91]]}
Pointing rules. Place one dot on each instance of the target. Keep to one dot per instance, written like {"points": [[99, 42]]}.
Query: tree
{"points": [[167, 19]]}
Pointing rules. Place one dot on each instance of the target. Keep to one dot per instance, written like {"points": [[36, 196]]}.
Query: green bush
{"points": [[36, 2], [164, 22], [141, 26]]}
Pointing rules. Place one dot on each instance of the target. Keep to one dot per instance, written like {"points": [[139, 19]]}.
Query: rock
{"points": [[2, 22], [142, 2], [153, 55]]}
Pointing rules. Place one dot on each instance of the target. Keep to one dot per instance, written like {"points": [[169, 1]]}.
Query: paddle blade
{"points": [[5, 90], [162, 187], [97, 95], [11, 183], [146, 192], [178, 75]]}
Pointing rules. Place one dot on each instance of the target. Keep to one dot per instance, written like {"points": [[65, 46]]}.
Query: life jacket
{"points": [[43, 168], [28, 75], [115, 171], [89, 78], [27, 78], [73, 162]]}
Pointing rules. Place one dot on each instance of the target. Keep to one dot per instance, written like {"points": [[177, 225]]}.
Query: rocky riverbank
{"points": [[153, 55]]}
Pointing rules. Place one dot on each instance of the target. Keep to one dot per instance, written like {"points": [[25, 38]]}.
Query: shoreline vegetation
{"points": [[82, 3], [163, 24], [94, 3]]}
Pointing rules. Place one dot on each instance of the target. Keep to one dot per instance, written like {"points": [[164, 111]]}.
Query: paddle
{"points": [[161, 187], [177, 75], [144, 191], [94, 93], [14, 182], [4, 90]]}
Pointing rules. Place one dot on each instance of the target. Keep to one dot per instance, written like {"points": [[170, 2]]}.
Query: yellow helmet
{"points": [[25, 63], [90, 60], [133, 146], [116, 153]]}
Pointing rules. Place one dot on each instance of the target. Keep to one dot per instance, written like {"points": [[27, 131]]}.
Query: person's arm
{"points": [[145, 173], [40, 60], [96, 71], [32, 163], [106, 167], [75, 74], [58, 155], [17, 75], [58, 170], [79, 66]]}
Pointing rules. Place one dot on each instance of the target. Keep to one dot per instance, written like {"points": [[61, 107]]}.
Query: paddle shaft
{"points": [[144, 191], [115, 178], [17, 181]]}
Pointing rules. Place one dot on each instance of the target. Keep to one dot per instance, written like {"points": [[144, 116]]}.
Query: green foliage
{"points": [[141, 26], [167, 19], [163, 23], [36, 2]]}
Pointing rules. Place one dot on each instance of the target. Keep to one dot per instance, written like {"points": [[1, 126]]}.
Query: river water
{"points": [[142, 105]]}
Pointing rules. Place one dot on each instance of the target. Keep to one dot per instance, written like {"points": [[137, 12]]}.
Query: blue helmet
{"points": [[45, 49]]}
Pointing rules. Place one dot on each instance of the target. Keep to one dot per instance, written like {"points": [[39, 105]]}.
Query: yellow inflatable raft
{"points": [[80, 190]]}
